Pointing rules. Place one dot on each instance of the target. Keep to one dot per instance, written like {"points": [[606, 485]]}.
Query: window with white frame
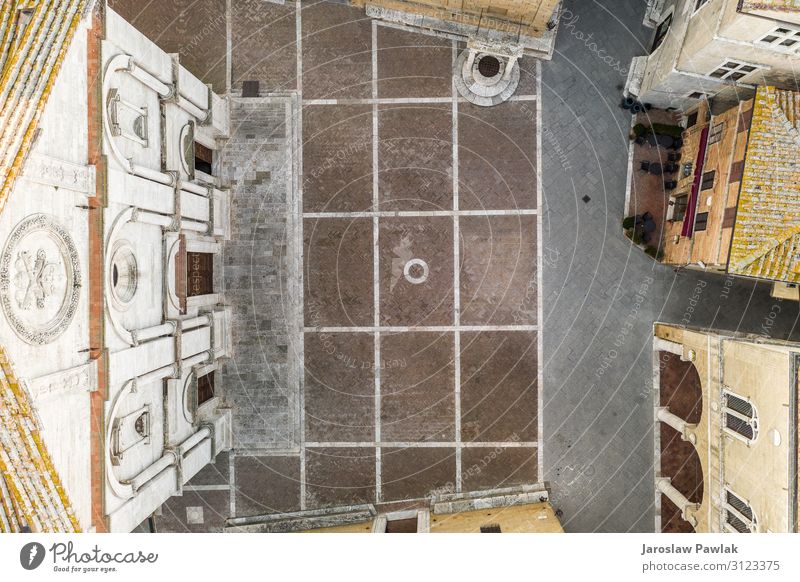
{"points": [[128, 432], [127, 119], [740, 418], [733, 70], [698, 95], [782, 38], [716, 132], [699, 4], [738, 515]]}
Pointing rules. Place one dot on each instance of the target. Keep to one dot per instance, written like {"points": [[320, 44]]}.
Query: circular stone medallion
{"points": [[40, 279], [416, 271]]}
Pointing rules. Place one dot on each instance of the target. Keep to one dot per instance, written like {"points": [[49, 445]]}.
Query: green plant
{"points": [[635, 236], [659, 128], [628, 222], [654, 252], [664, 129]]}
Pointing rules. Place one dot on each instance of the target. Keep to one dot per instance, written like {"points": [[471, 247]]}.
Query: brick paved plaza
{"points": [[408, 302]]}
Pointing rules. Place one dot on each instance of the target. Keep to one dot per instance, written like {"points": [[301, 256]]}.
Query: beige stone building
{"points": [[725, 431], [520, 509], [497, 35], [528, 24], [717, 48], [733, 203]]}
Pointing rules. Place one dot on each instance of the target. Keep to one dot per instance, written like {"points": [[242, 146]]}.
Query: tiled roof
{"points": [[766, 236], [31, 494], [34, 38]]}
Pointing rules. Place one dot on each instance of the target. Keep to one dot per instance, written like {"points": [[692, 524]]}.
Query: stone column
{"points": [[509, 67], [163, 90], [679, 499], [471, 59], [152, 218], [148, 333], [676, 422]]}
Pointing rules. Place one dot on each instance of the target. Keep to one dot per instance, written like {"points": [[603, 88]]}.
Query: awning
{"points": [[688, 221]]}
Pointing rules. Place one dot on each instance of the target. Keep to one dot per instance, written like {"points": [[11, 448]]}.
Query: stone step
{"points": [[302, 520], [517, 489]]}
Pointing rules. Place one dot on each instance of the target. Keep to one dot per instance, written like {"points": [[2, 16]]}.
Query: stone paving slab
{"points": [[339, 387], [417, 376], [410, 473], [340, 476], [497, 155], [413, 65], [263, 45], [498, 270], [195, 30], [257, 164], [415, 153], [337, 51], [338, 259], [337, 158], [601, 295]]}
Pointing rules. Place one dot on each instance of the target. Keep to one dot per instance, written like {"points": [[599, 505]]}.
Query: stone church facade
{"points": [[111, 225]]}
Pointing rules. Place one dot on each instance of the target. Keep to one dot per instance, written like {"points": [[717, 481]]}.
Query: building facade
{"points": [[734, 207], [113, 323], [725, 431], [720, 49], [497, 35], [527, 24], [518, 509]]}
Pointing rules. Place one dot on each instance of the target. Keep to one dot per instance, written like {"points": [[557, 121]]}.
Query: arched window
{"points": [[738, 515], [740, 418]]}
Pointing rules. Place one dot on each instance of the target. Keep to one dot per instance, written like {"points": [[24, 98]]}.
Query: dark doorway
{"points": [[402, 525], [199, 274], [205, 388], [203, 159]]}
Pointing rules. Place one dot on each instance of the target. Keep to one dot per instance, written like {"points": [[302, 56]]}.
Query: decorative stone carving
{"points": [[40, 279], [75, 380], [59, 173], [123, 275]]}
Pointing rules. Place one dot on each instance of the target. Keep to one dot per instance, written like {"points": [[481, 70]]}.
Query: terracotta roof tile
{"points": [[766, 237]]}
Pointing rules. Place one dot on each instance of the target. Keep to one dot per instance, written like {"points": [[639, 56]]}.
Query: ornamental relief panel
{"points": [[40, 279]]}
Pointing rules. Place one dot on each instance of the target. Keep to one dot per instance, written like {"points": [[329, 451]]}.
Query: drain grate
{"points": [[489, 66], [586, 199]]}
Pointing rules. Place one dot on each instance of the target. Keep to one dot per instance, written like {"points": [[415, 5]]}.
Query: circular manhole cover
{"points": [[489, 66]]}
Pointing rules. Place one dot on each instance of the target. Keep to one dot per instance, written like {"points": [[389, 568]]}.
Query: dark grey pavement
{"points": [[601, 295]]}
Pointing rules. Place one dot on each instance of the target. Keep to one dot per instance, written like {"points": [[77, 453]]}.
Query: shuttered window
{"points": [[740, 417], [739, 516]]}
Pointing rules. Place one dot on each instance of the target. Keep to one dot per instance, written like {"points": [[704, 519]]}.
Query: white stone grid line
{"points": [[431, 328], [374, 100], [424, 444], [376, 263], [228, 46], [375, 214], [206, 488], [423, 213], [298, 25], [456, 279], [539, 286], [232, 482]]}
